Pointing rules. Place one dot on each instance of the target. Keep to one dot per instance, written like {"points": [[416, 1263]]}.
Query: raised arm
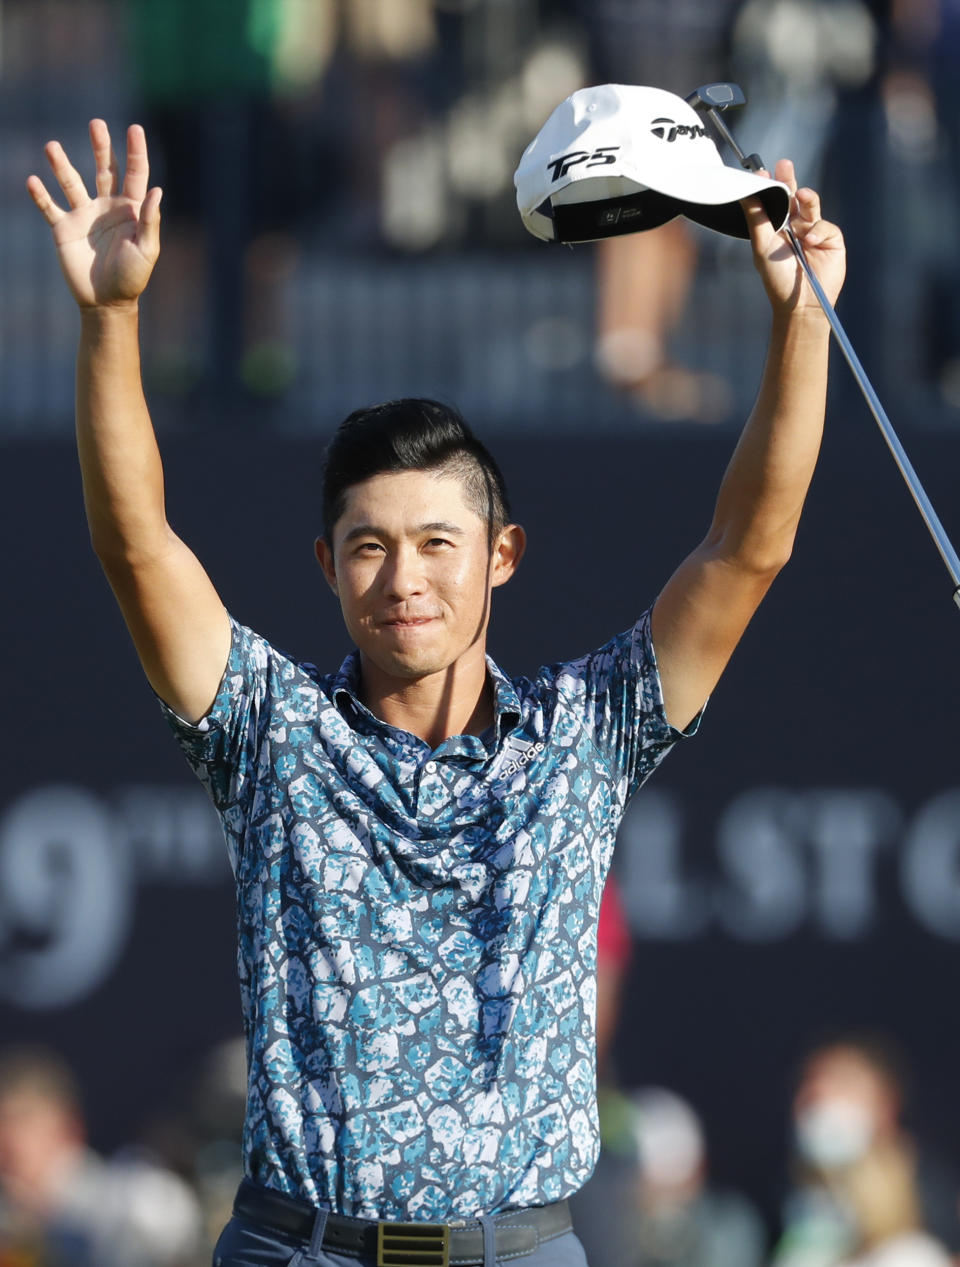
{"points": [[107, 246], [706, 605]]}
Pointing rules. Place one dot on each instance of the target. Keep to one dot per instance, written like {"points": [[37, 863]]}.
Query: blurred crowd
{"points": [[858, 1186], [160, 1202], [288, 131], [397, 126]]}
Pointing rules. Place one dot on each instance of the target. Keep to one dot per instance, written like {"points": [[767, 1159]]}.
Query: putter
{"points": [[711, 99]]}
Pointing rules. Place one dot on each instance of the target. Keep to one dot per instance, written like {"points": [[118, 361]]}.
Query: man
{"points": [[865, 1190], [419, 841], [61, 1205]]}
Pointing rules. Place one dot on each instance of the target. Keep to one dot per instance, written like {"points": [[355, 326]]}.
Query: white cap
{"points": [[620, 158]]}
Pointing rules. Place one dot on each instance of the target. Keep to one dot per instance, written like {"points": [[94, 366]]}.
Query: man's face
{"points": [[35, 1134], [843, 1074], [843, 1106], [413, 568]]}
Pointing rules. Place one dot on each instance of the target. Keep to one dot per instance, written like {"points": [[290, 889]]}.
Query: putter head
{"points": [[712, 98], [716, 97]]}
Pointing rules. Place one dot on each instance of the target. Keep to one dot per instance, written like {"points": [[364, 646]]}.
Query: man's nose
{"points": [[404, 575]]}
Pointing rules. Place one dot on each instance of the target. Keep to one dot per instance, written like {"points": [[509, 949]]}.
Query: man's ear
{"points": [[508, 550], [325, 559]]}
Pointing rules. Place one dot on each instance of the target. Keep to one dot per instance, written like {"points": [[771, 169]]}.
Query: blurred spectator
{"points": [[199, 1135], [644, 279], [864, 1194], [650, 1203], [809, 69], [919, 93], [494, 74], [794, 58], [61, 1205], [866, 90], [220, 1101], [613, 960], [206, 72]]}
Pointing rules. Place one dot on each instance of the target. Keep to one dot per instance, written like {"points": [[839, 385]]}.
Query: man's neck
{"points": [[457, 701]]}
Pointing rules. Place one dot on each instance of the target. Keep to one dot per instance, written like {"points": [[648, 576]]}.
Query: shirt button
{"points": [[431, 767]]}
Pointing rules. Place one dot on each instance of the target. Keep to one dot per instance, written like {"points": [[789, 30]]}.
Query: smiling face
{"points": [[413, 566]]}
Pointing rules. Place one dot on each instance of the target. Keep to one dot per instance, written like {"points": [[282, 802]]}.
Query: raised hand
{"points": [[783, 278], [107, 245]]}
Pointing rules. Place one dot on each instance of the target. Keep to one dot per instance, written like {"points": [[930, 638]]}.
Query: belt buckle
{"points": [[413, 1245]]}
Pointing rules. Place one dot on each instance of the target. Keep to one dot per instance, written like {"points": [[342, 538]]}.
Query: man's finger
{"points": [[821, 233], [67, 175], [148, 225], [108, 170], [808, 206], [785, 173], [48, 208], [137, 176]]}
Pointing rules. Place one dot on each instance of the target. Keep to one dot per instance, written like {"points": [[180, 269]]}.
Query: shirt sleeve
{"points": [[222, 748], [617, 692]]}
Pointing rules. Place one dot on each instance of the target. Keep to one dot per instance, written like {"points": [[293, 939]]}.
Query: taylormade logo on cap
{"points": [[668, 130], [620, 158]]}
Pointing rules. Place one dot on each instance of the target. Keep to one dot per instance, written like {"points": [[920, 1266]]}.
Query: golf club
{"points": [[711, 99]]}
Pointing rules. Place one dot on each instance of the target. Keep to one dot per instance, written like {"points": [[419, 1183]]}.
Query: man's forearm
{"points": [[119, 459], [762, 493]]}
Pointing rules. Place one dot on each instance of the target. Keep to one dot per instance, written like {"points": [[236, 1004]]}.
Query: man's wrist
{"points": [[97, 316], [806, 318]]}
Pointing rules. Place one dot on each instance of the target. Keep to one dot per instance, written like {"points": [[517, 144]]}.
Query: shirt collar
{"points": [[506, 701]]}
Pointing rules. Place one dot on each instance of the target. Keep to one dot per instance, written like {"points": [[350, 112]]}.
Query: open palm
{"points": [[107, 245]]}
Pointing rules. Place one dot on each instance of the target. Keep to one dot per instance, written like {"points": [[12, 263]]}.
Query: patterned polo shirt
{"points": [[417, 927]]}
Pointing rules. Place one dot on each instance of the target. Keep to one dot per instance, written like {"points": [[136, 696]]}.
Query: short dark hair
{"points": [[411, 434]]}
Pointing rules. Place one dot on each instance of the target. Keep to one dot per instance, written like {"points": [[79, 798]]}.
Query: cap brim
{"points": [[710, 197], [729, 217]]}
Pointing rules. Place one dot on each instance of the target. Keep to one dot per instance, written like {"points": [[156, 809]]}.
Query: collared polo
{"points": [[417, 926]]}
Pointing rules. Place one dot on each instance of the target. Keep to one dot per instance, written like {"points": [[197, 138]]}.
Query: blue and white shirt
{"points": [[417, 928]]}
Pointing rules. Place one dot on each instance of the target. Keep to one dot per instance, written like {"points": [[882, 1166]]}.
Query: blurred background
{"points": [[779, 1051]]}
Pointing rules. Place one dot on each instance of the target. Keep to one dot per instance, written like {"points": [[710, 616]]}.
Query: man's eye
{"points": [[369, 547], [439, 541]]}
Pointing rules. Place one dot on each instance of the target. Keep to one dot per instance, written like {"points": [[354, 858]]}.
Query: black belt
{"points": [[518, 1232]]}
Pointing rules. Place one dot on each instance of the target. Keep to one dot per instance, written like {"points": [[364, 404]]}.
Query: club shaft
{"points": [[930, 517], [716, 118]]}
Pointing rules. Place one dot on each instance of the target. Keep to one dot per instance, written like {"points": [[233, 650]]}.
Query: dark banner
{"points": [[794, 870]]}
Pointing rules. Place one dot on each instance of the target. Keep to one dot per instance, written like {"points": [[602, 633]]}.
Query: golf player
{"points": [[419, 840]]}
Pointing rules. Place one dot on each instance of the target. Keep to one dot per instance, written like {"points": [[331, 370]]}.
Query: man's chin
{"points": [[409, 663], [411, 658], [413, 665]]}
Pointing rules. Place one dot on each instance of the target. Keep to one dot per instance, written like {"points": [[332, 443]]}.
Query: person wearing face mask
{"points": [[652, 1201], [863, 1195]]}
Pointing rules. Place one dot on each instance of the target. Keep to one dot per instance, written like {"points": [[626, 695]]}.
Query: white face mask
{"points": [[834, 1132]]}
